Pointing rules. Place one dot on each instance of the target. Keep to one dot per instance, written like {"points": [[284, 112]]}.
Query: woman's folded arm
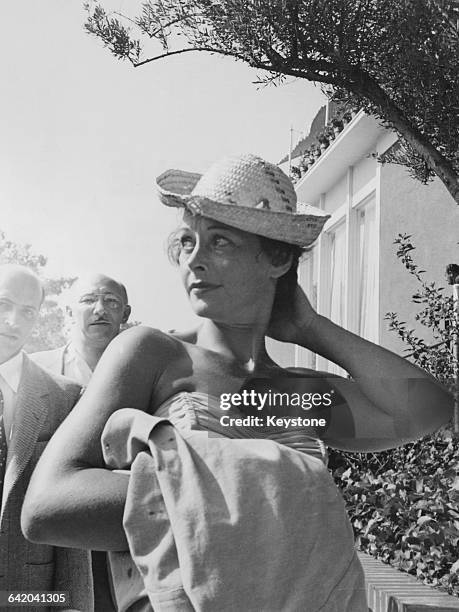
{"points": [[73, 499]]}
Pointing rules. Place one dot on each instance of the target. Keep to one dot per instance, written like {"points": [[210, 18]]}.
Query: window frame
{"points": [[320, 256]]}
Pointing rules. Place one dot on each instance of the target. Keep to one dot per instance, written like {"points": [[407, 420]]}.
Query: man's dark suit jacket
{"points": [[42, 403]]}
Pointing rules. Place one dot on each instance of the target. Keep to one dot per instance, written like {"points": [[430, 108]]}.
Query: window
{"points": [[337, 281], [340, 274], [368, 272], [307, 279], [348, 271]]}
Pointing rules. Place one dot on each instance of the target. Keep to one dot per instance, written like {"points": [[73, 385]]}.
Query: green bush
{"points": [[404, 504]]}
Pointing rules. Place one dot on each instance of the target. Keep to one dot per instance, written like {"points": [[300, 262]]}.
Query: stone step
{"points": [[390, 590]]}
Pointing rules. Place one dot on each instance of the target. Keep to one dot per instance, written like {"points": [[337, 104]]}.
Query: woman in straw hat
{"points": [[232, 508]]}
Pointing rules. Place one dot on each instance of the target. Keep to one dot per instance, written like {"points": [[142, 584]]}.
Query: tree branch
{"points": [[169, 24], [118, 14], [304, 72], [365, 86], [208, 50], [289, 44], [293, 12]]}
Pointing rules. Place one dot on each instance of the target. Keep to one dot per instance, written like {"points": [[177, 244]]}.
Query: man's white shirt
{"points": [[65, 360], [75, 367]]}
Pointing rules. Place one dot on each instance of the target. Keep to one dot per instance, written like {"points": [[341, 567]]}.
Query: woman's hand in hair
{"points": [[290, 319]]}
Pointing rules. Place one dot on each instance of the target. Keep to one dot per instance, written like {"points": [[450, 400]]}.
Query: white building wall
{"points": [[364, 172], [346, 179], [336, 195], [431, 216]]}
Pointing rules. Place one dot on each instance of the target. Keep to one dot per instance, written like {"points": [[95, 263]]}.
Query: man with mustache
{"points": [[33, 403], [99, 307]]}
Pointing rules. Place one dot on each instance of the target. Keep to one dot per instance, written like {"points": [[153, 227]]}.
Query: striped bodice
{"points": [[196, 410]]}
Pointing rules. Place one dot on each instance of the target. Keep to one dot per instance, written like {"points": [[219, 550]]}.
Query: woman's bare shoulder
{"points": [[146, 336], [142, 345]]}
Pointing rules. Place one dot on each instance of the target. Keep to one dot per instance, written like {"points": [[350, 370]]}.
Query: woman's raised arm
{"points": [[72, 499], [391, 400]]}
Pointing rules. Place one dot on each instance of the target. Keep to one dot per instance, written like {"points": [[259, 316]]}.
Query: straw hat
{"points": [[247, 193]]}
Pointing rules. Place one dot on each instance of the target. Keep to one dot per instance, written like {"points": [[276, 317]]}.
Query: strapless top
{"points": [[197, 410], [202, 499]]}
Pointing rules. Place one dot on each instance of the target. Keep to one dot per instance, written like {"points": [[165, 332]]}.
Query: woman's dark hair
{"points": [[173, 248], [452, 273], [281, 252]]}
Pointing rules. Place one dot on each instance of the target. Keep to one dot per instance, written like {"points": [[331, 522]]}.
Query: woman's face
{"points": [[225, 272]]}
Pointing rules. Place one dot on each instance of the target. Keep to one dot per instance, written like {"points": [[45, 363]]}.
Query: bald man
{"points": [[99, 307], [33, 403]]}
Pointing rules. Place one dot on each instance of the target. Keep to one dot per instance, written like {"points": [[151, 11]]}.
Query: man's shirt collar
{"points": [[11, 371]]}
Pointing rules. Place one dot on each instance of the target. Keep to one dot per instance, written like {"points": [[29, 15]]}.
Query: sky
{"points": [[83, 136]]}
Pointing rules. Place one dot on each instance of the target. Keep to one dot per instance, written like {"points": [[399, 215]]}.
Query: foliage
{"points": [[404, 504], [319, 138], [397, 59], [49, 332], [404, 507], [437, 314]]}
